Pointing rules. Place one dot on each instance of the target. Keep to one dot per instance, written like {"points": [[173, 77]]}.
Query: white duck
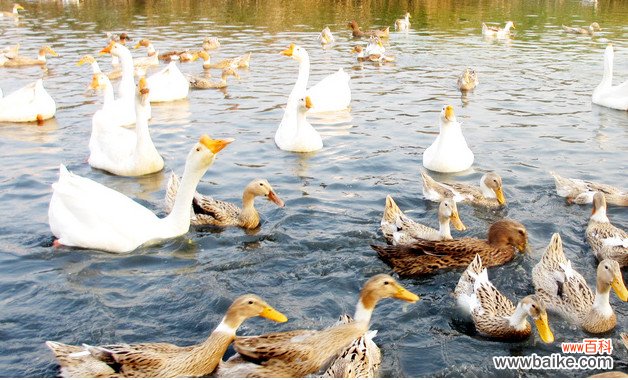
{"points": [[300, 136], [168, 84], [123, 151], [449, 153], [84, 213], [494, 31], [29, 103], [607, 95]]}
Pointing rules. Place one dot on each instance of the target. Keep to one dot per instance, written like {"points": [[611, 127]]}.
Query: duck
{"points": [[9, 52], [493, 314], [162, 359], [423, 257], [399, 229], [209, 211], [14, 13], [607, 95], [489, 194], [299, 137], [302, 352], [449, 153], [205, 83], [21, 61], [114, 74], [180, 55], [606, 240], [565, 292], [210, 43], [241, 62], [357, 32], [590, 30], [374, 52], [84, 213], [325, 37], [122, 151], [152, 57], [581, 191], [124, 105], [494, 31], [29, 103], [206, 60], [403, 24], [468, 80], [168, 84]]}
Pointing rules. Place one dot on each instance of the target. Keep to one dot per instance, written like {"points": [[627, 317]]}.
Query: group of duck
{"points": [[84, 213]]}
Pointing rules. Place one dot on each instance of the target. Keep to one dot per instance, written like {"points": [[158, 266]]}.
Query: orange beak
{"points": [[107, 50], [449, 113], [308, 102], [214, 145], [275, 199], [289, 51]]}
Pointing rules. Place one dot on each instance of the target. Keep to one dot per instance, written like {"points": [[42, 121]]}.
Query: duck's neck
{"points": [[127, 83], [249, 217], [600, 215], [486, 191], [108, 94], [179, 218], [607, 77], [601, 304], [41, 57], [518, 319], [205, 357], [443, 227], [143, 142], [151, 50], [507, 28], [364, 309], [95, 68], [304, 75]]}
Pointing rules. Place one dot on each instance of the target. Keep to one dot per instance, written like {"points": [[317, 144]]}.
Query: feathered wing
{"points": [[437, 191], [608, 241], [332, 93], [400, 229]]}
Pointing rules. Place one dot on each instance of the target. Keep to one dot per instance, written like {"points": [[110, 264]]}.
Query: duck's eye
{"points": [[521, 232], [605, 266], [198, 149], [250, 302], [261, 184], [386, 283]]}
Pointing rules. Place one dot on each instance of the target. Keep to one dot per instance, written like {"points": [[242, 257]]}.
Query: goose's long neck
{"points": [[95, 68], [179, 217], [443, 227], [301, 120], [108, 94], [304, 75], [143, 140], [607, 78], [518, 318], [127, 84], [248, 200]]}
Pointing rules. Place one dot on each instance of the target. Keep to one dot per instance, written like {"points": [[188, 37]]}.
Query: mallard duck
{"points": [[302, 352], [493, 314], [300, 137], [168, 84], [14, 13], [357, 32], [179, 55], [162, 359], [403, 24], [468, 80], [210, 43], [581, 192], [19, 61], [564, 291], [29, 103], [606, 240], [489, 194], [204, 82], [124, 105], [122, 151], [207, 210], [494, 31], [240, 62], [423, 257], [449, 153], [152, 57], [607, 95], [399, 229], [325, 37], [579, 30], [84, 213]]}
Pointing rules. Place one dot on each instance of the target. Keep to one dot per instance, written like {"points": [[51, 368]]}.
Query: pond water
{"points": [[531, 113]]}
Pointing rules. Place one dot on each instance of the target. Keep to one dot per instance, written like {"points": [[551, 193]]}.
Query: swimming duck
{"points": [[606, 240], [299, 137], [468, 80], [206, 59], [240, 62], [207, 210], [122, 39], [495, 31], [152, 57], [9, 52], [423, 257], [399, 229], [493, 314], [403, 24], [607, 95], [19, 61], [357, 32], [579, 30], [114, 74], [302, 352], [204, 82], [581, 192], [162, 359], [374, 52], [325, 37], [449, 153], [179, 55], [210, 43], [489, 194], [168, 84], [14, 13], [84, 213], [29, 103], [122, 151], [564, 291]]}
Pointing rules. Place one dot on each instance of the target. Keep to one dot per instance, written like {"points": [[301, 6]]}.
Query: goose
{"points": [[168, 84], [607, 95], [489, 194], [581, 191], [449, 153], [606, 240], [29, 103], [299, 137], [403, 24], [124, 105], [494, 31]]}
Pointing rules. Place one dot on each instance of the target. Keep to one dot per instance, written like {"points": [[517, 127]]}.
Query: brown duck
{"points": [[357, 32], [19, 60], [423, 257]]}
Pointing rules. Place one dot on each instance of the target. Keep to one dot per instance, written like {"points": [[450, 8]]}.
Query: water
{"points": [[530, 114]]}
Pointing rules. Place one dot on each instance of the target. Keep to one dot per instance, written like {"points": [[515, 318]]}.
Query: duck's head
{"points": [[408, 15], [210, 43], [493, 181], [510, 24], [508, 232], [294, 51], [353, 25], [249, 306], [447, 114], [86, 59], [114, 48], [599, 207], [469, 76], [143, 42], [305, 103], [143, 91], [535, 308], [609, 276], [205, 57], [357, 49], [383, 286], [204, 152], [448, 211], [99, 81], [47, 50], [261, 188], [17, 7], [595, 26]]}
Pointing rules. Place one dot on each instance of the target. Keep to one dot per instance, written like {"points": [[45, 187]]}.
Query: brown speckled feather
{"points": [[597, 232], [581, 192]]}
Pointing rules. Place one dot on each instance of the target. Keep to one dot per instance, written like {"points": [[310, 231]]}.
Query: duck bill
{"points": [[523, 247], [449, 113], [215, 145], [544, 330], [620, 288], [308, 102], [455, 220], [275, 199], [405, 295], [137, 45], [52, 52], [273, 315], [107, 50], [83, 61], [95, 84], [289, 51], [500, 196]]}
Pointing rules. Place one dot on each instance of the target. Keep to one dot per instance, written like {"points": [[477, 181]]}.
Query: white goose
{"points": [[123, 151], [607, 95], [168, 84], [449, 153], [29, 103], [84, 213], [299, 136]]}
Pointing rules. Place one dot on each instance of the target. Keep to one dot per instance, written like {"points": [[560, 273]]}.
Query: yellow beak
{"points": [[107, 50], [449, 113], [455, 220], [84, 60], [308, 102], [137, 45], [95, 84], [500, 196], [523, 246], [405, 295], [620, 288], [273, 315], [215, 145], [289, 51], [544, 330]]}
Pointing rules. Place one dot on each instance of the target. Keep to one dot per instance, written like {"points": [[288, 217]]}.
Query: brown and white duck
{"points": [[14, 13], [19, 61], [488, 194], [204, 82], [358, 33], [606, 240]]}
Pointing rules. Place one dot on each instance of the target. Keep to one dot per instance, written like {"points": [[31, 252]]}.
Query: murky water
{"points": [[530, 114]]}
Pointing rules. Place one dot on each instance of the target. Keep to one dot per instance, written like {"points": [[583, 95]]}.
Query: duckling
{"points": [[494, 31], [162, 359], [357, 32], [468, 80], [240, 62], [403, 24], [564, 291], [181, 55], [606, 240], [423, 257], [590, 30], [210, 43], [13, 14], [204, 82], [489, 194], [152, 58], [19, 61], [493, 314], [325, 37], [207, 210], [581, 192], [399, 229]]}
